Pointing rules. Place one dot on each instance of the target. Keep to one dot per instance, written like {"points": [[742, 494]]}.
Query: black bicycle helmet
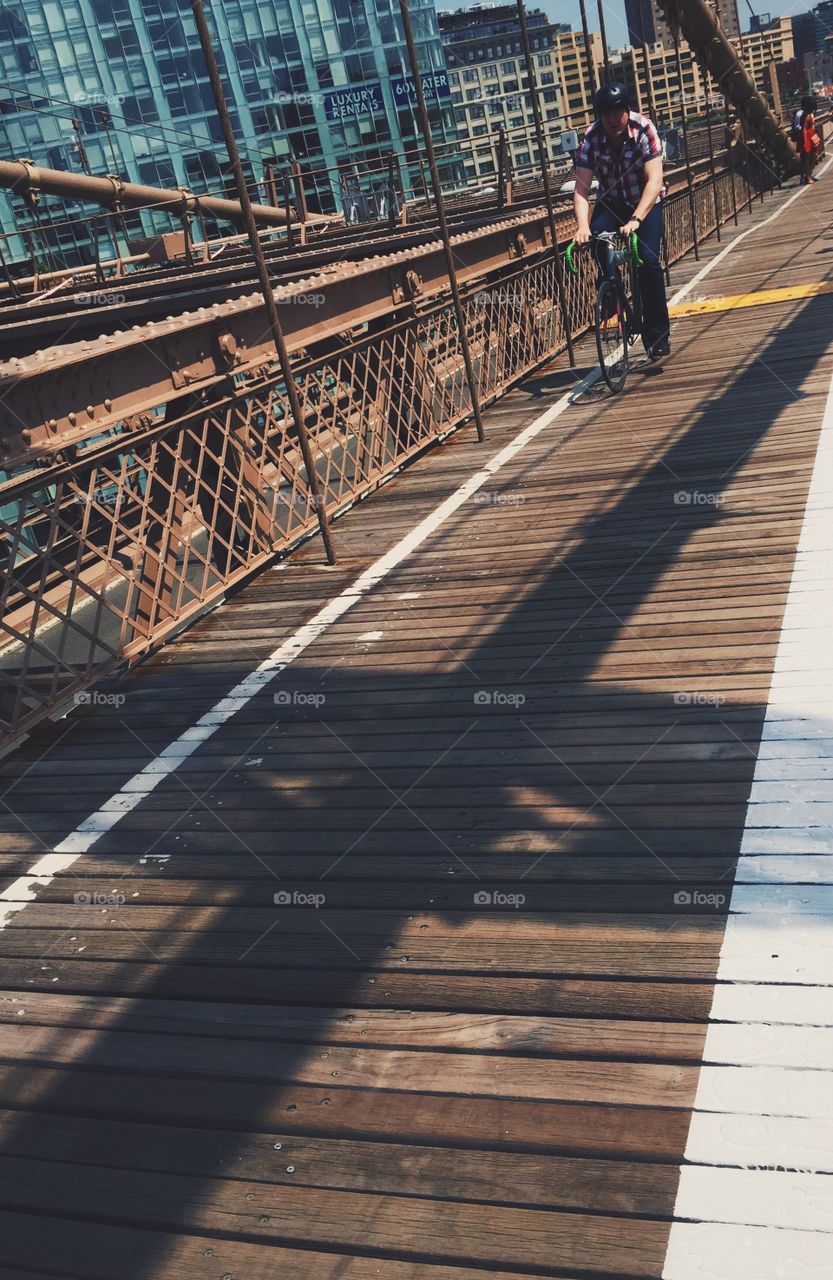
{"points": [[612, 97]]}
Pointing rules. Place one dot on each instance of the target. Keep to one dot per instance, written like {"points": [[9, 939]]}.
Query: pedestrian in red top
{"points": [[806, 139]]}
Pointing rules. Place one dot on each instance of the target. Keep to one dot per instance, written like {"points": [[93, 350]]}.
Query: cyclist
{"points": [[623, 150]]}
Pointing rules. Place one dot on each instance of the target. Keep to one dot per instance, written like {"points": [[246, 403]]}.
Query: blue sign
{"points": [[355, 100], [434, 85]]}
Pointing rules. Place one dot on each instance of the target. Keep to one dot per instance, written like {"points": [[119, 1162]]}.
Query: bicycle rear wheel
{"points": [[611, 335]]}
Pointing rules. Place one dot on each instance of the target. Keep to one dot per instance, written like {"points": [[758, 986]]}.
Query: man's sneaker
{"points": [[659, 349]]}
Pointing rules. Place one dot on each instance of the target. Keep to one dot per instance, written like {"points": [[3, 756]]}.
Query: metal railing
{"points": [[108, 552]]}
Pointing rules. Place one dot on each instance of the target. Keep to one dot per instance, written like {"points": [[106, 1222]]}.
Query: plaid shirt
{"points": [[621, 176]]}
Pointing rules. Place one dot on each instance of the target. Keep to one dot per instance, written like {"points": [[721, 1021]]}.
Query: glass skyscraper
{"points": [[120, 86]]}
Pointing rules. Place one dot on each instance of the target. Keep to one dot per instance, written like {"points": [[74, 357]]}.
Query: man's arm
{"points": [[581, 204], [652, 188]]}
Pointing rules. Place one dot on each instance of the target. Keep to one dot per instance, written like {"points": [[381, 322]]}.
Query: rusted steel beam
{"points": [[22, 176], [63, 395], [701, 28]]}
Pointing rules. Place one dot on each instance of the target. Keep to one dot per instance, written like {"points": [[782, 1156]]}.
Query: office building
{"points": [[647, 21], [121, 86], [490, 86], [655, 83]]}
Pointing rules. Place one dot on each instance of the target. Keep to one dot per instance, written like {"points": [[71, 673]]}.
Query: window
{"points": [[490, 71], [508, 68], [470, 77], [472, 95]]}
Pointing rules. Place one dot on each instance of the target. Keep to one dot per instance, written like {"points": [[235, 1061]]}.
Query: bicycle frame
{"points": [[610, 250], [609, 260]]}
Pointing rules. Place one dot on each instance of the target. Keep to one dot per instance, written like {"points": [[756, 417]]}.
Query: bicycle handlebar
{"points": [[633, 247]]}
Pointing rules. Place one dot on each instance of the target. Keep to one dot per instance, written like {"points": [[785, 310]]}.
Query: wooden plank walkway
{"points": [[409, 974]]}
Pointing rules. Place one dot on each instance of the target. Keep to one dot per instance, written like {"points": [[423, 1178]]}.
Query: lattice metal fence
{"points": [[109, 552]]}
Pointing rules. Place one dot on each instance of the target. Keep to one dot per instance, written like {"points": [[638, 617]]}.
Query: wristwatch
{"points": [[635, 219]]}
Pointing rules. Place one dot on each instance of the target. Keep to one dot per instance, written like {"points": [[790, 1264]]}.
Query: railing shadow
{"points": [[598, 798]]}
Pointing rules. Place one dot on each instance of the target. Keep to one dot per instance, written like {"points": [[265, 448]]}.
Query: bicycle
{"points": [[618, 318]]}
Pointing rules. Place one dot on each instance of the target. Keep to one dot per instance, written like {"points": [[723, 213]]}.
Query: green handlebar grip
{"points": [[569, 255], [635, 250]]}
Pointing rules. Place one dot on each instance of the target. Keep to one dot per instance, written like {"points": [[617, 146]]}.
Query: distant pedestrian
{"points": [[806, 139]]}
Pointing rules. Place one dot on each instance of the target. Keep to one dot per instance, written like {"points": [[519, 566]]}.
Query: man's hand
{"points": [[629, 228], [582, 235]]}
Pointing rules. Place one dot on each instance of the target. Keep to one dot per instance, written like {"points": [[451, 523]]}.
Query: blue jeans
{"points": [[655, 326]]}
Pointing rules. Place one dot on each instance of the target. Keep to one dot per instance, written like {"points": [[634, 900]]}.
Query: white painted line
{"points": [[750, 1002], [714, 1251], [124, 801], [761, 1142], [770, 1043], [764, 1099], [764, 1197]]}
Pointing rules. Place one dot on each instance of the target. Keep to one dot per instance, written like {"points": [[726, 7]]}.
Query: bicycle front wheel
{"points": [[612, 335]]}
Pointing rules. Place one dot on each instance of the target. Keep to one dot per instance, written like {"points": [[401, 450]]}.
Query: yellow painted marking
{"points": [[762, 298]]}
